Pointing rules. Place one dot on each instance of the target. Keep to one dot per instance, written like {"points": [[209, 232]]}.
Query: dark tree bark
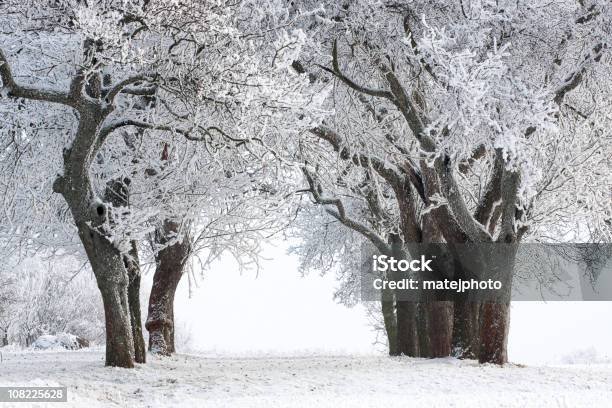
{"points": [[495, 313], [406, 310], [117, 194], [140, 351], [466, 329], [390, 320], [494, 333], [438, 314], [112, 279], [434, 325], [171, 262], [407, 334], [439, 318], [423, 333]]}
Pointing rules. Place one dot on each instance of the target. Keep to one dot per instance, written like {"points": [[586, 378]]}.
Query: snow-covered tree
{"points": [[472, 122], [95, 92]]}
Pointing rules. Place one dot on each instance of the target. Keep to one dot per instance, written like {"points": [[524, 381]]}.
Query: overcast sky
{"points": [[279, 312]]}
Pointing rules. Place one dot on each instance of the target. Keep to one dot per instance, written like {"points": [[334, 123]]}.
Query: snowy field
{"points": [[305, 381]]}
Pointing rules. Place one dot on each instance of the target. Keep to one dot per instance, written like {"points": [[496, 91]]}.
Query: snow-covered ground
{"points": [[305, 381]]}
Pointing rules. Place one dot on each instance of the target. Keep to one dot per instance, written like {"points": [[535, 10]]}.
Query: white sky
{"points": [[280, 312]]}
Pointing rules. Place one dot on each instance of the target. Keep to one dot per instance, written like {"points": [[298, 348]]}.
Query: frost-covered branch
{"points": [[336, 71], [508, 228], [33, 93], [487, 210], [340, 213], [124, 86], [359, 159], [575, 78]]}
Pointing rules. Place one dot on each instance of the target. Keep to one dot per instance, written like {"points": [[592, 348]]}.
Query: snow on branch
{"points": [[335, 70], [487, 205], [122, 86], [35, 94], [575, 78], [340, 214], [361, 159]]}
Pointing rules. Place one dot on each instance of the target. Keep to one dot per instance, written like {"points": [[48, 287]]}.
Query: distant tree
{"points": [[49, 298]]}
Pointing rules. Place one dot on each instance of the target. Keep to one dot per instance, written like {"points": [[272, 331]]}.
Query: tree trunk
{"points": [[422, 330], [140, 351], [171, 262], [494, 333], [405, 310], [439, 318], [117, 193], [390, 320], [438, 314], [466, 329], [112, 277], [495, 314], [106, 259], [407, 336], [119, 340]]}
